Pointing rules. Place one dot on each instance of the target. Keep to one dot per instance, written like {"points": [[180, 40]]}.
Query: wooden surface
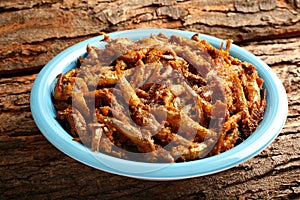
{"points": [[32, 32]]}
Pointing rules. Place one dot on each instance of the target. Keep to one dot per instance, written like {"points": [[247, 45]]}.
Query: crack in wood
{"points": [[11, 6]]}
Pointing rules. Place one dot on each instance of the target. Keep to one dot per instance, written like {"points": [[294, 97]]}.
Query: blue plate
{"points": [[44, 114]]}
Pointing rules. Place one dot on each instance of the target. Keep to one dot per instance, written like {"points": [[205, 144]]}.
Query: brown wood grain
{"points": [[33, 32]]}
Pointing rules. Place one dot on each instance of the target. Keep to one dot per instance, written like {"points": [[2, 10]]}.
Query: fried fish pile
{"points": [[160, 99]]}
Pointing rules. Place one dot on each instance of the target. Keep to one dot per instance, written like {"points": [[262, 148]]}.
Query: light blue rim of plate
{"points": [[44, 113]]}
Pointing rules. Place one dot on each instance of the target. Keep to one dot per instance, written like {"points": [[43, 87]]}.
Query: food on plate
{"points": [[160, 99]]}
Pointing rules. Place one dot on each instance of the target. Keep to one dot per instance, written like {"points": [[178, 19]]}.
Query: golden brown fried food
{"points": [[160, 99]]}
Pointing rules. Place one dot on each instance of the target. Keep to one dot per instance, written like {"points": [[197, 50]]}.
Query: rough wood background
{"points": [[32, 32]]}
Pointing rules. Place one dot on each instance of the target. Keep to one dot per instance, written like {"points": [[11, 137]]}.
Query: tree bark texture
{"points": [[33, 32]]}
